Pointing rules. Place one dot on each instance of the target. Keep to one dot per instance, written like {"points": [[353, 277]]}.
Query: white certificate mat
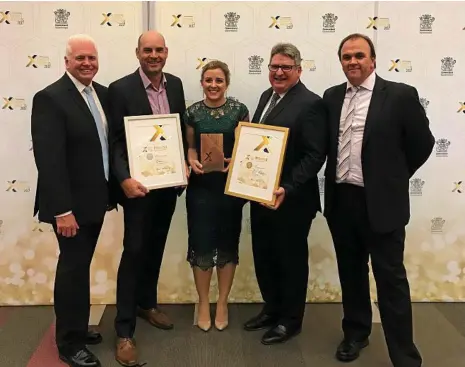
{"points": [[256, 164], [155, 150]]}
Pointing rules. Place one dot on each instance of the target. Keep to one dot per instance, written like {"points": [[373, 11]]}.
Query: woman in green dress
{"points": [[214, 219]]}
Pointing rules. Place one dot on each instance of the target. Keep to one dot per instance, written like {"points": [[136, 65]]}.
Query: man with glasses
{"points": [[279, 232]]}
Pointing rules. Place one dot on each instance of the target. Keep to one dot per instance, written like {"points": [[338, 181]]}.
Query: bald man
{"points": [[147, 215], [69, 135]]}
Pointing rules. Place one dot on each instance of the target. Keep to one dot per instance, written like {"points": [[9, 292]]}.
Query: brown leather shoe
{"points": [[156, 317], [126, 352]]}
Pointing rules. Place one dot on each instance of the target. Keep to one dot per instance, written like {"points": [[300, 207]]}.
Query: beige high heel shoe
{"points": [[204, 325], [221, 325]]}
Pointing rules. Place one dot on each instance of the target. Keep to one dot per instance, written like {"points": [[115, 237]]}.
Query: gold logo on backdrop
{"points": [[11, 104], [280, 22], [179, 20], [202, 61], [16, 186], [110, 18], [377, 23], [458, 187], [41, 227], [35, 61], [9, 17], [462, 107], [400, 65], [176, 20]]}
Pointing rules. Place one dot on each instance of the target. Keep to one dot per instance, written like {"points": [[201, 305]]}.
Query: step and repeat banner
{"points": [[33, 39], [422, 44]]}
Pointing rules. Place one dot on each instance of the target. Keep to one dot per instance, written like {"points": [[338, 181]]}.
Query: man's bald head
{"points": [[150, 35], [152, 53]]}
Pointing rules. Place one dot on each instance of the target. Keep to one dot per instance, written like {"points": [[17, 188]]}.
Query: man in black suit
{"points": [[147, 214], [379, 137], [69, 135], [279, 232]]}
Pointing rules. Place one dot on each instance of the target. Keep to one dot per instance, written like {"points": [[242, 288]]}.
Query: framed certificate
{"points": [[155, 150], [256, 163]]}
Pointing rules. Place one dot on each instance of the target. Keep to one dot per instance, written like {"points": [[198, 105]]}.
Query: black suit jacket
{"points": [[128, 98], [397, 141], [303, 112], [68, 154]]}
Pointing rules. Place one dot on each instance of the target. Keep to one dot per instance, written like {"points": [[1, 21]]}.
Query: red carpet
{"points": [[46, 353], [4, 313]]}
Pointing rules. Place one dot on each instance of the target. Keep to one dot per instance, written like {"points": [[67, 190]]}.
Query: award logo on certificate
{"points": [[155, 150], [255, 168], [212, 155]]}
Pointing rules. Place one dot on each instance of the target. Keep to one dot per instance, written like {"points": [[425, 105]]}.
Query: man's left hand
{"points": [[280, 195]]}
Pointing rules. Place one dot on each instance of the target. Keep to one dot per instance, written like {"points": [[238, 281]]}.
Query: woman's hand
{"points": [[227, 161]]}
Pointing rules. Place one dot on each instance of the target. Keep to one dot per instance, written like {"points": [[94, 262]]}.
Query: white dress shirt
{"points": [[362, 103]]}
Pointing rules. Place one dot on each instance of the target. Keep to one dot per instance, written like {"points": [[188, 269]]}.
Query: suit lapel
{"points": [[261, 105], [102, 99], [375, 109], [171, 95], [283, 103], [139, 93], [339, 96], [76, 96]]}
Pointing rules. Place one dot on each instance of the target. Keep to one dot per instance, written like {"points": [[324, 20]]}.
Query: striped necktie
{"points": [[344, 142], [274, 100]]}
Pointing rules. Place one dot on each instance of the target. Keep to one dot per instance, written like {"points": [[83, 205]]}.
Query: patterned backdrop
{"points": [[422, 44]]}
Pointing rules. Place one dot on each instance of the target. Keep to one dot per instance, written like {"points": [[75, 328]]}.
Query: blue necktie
{"points": [[99, 124]]}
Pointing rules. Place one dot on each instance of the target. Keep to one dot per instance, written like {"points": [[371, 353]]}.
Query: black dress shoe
{"points": [[262, 321], [82, 358], [280, 334], [349, 350], [93, 337]]}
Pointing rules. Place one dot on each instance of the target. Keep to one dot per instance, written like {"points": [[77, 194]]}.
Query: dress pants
{"points": [[72, 288], [280, 250], [146, 224], [354, 243]]}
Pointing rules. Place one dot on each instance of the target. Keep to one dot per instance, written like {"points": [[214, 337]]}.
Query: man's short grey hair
{"points": [[287, 49], [78, 37]]}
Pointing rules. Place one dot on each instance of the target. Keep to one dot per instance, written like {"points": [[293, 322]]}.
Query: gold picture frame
{"points": [[155, 150], [257, 160]]}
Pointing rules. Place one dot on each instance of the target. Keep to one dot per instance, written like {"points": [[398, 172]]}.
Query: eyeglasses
{"points": [[286, 68]]}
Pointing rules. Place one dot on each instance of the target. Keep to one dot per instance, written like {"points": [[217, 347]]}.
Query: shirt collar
{"points": [[368, 83], [80, 87], [146, 81]]}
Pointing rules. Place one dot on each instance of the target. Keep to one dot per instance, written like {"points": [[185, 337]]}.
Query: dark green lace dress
{"points": [[213, 218]]}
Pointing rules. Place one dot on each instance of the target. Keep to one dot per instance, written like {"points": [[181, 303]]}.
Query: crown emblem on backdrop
{"points": [[255, 64], [230, 22], [61, 18], [426, 21], [442, 145], [424, 102], [416, 186], [437, 224], [329, 21], [448, 64]]}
